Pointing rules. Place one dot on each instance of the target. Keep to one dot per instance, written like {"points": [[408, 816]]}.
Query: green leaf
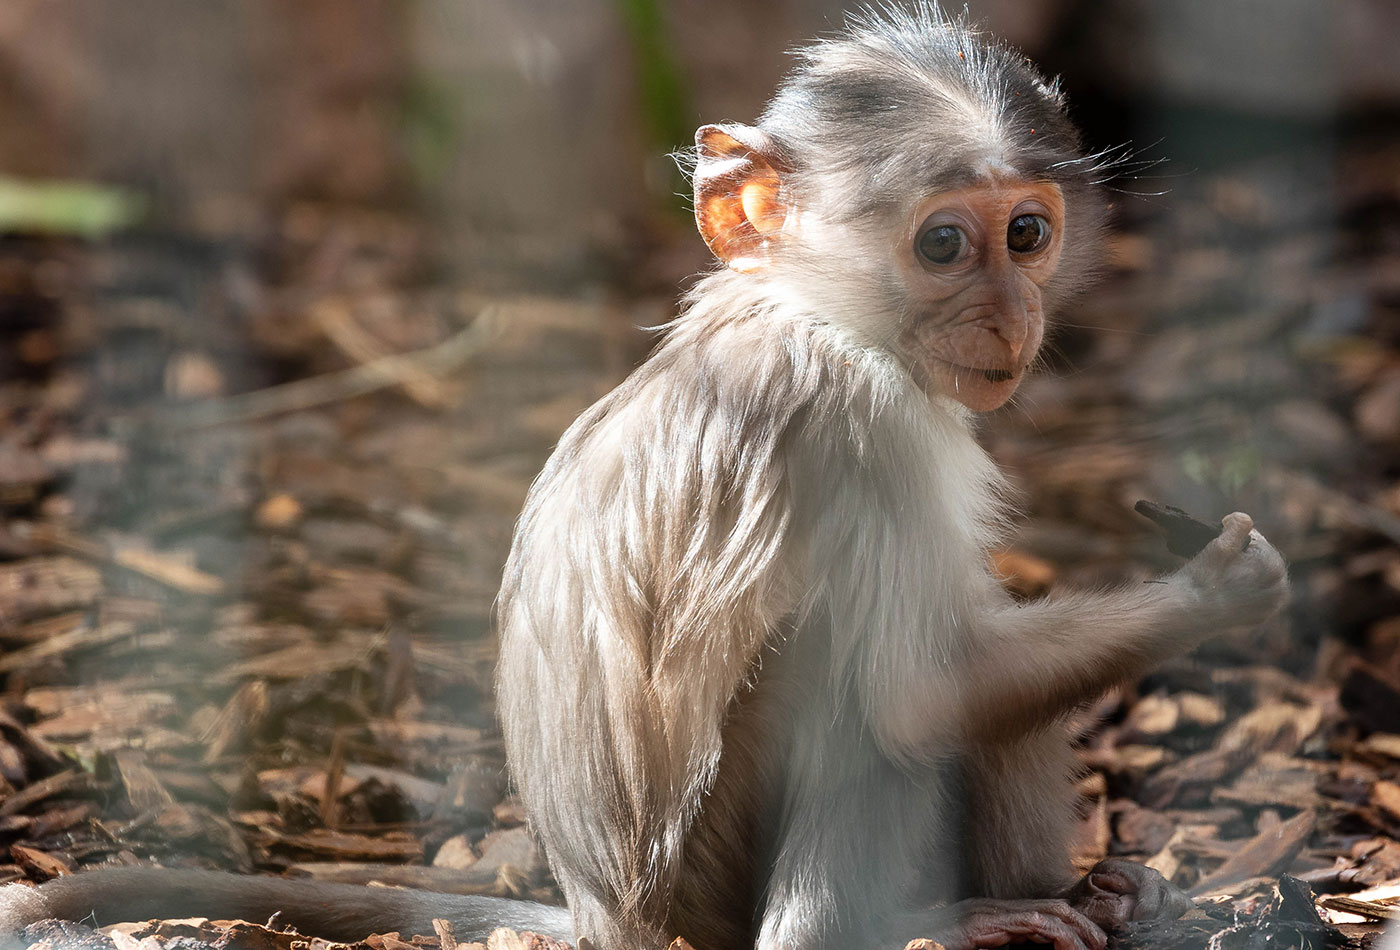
{"points": [[76, 208]]}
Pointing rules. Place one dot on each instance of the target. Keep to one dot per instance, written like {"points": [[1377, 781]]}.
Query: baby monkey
{"points": [[758, 686]]}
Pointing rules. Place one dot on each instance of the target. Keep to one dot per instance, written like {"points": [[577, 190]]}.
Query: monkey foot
{"points": [[1115, 892], [985, 923]]}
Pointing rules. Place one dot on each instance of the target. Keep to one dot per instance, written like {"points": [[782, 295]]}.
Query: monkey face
{"points": [[975, 261]]}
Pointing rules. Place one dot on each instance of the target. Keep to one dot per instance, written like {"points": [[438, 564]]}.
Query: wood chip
{"points": [[446, 934], [280, 512], [43, 865], [352, 846], [1021, 573], [39, 586], [72, 713], [73, 782], [1370, 910], [525, 940], [1266, 854], [1381, 743], [143, 789], [1386, 796], [86, 638], [169, 569]]}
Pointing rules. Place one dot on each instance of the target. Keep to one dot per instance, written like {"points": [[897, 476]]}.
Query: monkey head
{"points": [[931, 199], [974, 262]]}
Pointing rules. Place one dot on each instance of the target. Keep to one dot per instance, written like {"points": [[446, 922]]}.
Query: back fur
{"points": [[762, 482], [660, 531]]}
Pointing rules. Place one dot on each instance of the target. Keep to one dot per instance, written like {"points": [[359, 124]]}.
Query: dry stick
{"points": [[338, 324], [152, 565], [438, 360], [446, 934], [1350, 905], [1264, 855]]}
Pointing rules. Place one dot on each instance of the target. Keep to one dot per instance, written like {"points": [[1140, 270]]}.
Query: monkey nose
{"points": [[1013, 334]]}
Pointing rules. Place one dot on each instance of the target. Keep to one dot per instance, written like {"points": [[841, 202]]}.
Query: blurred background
{"points": [[535, 132], [295, 297]]}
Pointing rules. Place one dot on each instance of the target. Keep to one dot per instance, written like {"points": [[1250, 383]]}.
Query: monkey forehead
{"points": [[910, 102], [993, 195]]}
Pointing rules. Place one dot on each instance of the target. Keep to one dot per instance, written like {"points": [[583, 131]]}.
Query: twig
{"points": [[438, 360], [335, 320]]}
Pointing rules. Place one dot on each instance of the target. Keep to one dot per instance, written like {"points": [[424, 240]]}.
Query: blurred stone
{"points": [[456, 852], [193, 376], [1377, 411], [278, 513]]}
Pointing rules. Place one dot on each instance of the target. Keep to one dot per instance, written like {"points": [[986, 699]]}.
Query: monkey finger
{"points": [[1087, 930], [1167, 903], [1027, 926], [1149, 904], [1226, 548], [1065, 934], [1235, 531], [1162, 902], [1116, 891], [1262, 547]]}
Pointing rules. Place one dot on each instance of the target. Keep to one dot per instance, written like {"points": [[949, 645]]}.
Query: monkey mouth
{"points": [[992, 375], [979, 388]]}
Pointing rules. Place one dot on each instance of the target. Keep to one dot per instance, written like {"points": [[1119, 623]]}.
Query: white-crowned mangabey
{"points": [[757, 684]]}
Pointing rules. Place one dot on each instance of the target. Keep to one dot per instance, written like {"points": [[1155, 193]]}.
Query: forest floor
{"points": [[255, 494]]}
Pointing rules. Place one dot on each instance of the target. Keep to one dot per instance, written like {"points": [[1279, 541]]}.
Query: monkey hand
{"points": [[1239, 577], [983, 923], [1115, 892]]}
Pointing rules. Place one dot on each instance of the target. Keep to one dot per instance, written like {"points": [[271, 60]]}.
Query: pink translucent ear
{"points": [[738, 188]]}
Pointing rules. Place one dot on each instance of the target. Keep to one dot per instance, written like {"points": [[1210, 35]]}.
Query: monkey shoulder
{"points": [[739, 379]]}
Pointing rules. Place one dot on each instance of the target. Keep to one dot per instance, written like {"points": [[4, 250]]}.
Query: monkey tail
{"points": [[345, 912]]}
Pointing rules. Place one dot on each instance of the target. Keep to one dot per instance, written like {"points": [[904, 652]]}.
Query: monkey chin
{"points": [[980, 390]]}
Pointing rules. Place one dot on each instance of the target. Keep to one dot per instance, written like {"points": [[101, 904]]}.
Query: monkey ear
{"points": [[738, 187]]}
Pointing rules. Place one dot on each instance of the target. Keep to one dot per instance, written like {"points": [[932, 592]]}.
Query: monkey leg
{"points": [[1115, 892], [983, 922]]}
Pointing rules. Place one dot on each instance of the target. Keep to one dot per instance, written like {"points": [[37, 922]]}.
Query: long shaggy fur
{"points": [[772, 484]]}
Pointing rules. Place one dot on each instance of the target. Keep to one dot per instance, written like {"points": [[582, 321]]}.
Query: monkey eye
{"points": [[942, 244], [1027, 233]]}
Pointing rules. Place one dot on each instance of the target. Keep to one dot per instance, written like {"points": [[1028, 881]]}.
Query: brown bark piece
{"points": [[1186, 536], [172, 570], [39, 586], [1264, 855], [504, 939], [85, 638], [42, 865], [352, 846], [1386, 796], [62, 784], [1022, 573], [446, 934]]}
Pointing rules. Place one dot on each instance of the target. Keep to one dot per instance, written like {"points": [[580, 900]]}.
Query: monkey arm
{"points": [[1033, 662], [987, 668]]}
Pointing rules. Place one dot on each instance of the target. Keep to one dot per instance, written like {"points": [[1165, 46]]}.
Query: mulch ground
{"points": [[255, 493]]}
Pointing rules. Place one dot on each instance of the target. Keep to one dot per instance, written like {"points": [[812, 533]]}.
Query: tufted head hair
{"points": [[909, 96]]}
